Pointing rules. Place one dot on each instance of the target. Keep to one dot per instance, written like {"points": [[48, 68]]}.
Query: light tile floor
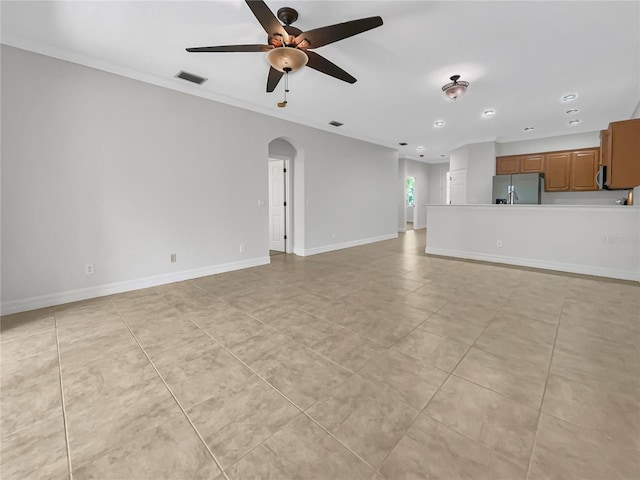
{"points": [[375, 362]]}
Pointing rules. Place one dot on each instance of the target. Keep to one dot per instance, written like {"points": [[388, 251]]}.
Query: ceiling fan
{"points": [[289, 49]]}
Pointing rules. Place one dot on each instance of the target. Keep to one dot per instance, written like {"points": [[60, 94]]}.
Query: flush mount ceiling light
{"points": [[439, 123], [488, 113], [528, 129], [574, 121], [455, 89], [420, 148], [569, 97], [573, 111]]}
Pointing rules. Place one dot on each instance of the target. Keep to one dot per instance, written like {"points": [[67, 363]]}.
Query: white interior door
{"points": [[414, 217], [458, 179], [276, 205]]}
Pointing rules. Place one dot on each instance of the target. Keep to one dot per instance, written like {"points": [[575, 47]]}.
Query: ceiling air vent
{"points": [[190, 77], [335, 124]]}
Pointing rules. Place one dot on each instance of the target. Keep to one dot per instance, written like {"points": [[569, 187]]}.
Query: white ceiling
{"points": [[520, 58]]}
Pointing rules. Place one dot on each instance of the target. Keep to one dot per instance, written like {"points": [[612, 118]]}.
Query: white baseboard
{"points": [[402, 229], [542, 264], [59, 298], [419, 226], [340, 246]]}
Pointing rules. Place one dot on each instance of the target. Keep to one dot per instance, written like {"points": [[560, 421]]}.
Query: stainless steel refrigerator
{"points": [[518, 189]]}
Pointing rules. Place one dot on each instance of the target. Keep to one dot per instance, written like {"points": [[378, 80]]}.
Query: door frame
{"points": [[414, 220]]}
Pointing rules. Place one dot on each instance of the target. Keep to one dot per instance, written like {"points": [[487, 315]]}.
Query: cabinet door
{"points": [[604, 147], [584, 166], [557, 172], [532, 163], [624, 154], [507, 165]]}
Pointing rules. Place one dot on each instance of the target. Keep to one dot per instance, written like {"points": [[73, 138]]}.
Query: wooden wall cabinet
{"points": [[512, 164], [604, 147], [584, 166], [572, 171], [576, 170], [565, 171], [557, 177], [532, 163], [621, 147], [508, 165]]}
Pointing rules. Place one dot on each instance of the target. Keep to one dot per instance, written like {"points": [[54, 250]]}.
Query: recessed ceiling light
{"points": [[420, 148], [421, 156], [404, 144], [488, 113], [442, 155], [573, 111], [569, 97], [335, 123], [528, 129], [439, 123], [574, 121]]}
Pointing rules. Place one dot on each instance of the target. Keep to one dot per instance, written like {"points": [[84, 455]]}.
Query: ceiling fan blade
{"points": [[292, 31], [267, 19], [273, 79], [318, 62], [232, 48], [325, 35]]}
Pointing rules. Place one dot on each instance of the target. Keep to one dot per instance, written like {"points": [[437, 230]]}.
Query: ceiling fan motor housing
{"points": [[287, 15]]}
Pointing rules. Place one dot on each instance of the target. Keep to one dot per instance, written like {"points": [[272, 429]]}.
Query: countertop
{"points": [[541, 207]]}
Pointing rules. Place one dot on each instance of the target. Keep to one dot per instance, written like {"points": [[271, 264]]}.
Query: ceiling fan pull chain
{"points": [[286, 88], [286, 83]]}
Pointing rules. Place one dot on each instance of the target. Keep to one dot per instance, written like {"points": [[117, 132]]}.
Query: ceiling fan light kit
{"points": [[455, 89], [287, 57]]}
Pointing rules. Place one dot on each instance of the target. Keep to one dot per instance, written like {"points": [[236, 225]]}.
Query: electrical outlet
{"points": [[173, 258], [499, 244], [89, 269], [243, 248]]}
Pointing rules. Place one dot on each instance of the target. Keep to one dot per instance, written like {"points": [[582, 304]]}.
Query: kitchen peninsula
{"points": [[592, 240]]}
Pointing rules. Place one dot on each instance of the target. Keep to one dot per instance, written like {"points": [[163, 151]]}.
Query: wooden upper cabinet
{"points": [[584, 167], [623, 154], [513, 164], [508, 165], [604, 147], [532, 163], [565, 171], [557, 174], [576, 170]]}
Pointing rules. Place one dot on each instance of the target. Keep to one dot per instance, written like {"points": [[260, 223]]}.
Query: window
{"points": [[411, 188]]}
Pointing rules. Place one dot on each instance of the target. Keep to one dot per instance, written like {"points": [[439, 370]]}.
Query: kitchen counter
{"points": [[602, 240], [539, 206]]}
